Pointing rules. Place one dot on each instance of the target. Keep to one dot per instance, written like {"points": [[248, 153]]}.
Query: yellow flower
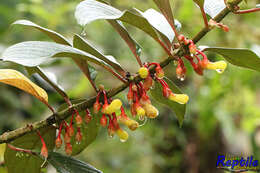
{"points": [[179, 98], [131, 124], [113, 107], [140, 111], [219, 66], [150, 110], [143, 72], [123, 135]]}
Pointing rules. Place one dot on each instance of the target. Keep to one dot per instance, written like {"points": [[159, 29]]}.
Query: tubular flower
{"points": [[113, 107], [140, 112], [130, 94], [123, 135], [159, 72], [124, 119], [219, 66], [97, 105], [181, 70], [58, 142], [192, 47], [87, 117], [179, 98], [150, 111], [78, 136], [68, 149], [143, 72], [103, 120]]}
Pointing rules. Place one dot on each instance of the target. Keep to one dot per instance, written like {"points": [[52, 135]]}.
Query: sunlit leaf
{"points": [[90, 10], [257, 5], [83, 44], [65, 164], [159, 22], [34, 53], [240, 57], [26, 163], [177, 108], [214, 7], [17, 79], [58, 38]]}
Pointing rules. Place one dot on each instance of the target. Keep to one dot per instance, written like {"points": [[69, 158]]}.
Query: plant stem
{"points": [[247, 11], [115, 74], [63, 114], [204, 17], [20, 149]]}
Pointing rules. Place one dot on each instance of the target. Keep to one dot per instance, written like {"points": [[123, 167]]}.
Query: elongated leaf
{"points": [[213, 7], [34, 53], [50, 78], [240, 57], [132, 44], [159, 22], [90, 10], [257, 6], [82, 44], [178, 109], [89, 131], [165, 7], [17, 79], [58, 38], [65, 164], [200, 3], [26, 163]]}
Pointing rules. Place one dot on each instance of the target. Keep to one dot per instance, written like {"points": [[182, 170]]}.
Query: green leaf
{"points": [[165, 7], [177, 108], [58, 38], [257, 5], [34, 53], [200, 3], [26, 163], [159, 22], [65, 164], [90, 10], [82, 44], [132, 44], [89, 131], [213, 7], [241, 57]]}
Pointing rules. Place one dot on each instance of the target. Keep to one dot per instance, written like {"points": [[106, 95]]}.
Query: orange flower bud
{"points": [[70, 131], [78, 136], [68, 149], [159, 72], [87, 118], [148, 83], [58, 142], [103, 120], [67, 138], [44, 151], [131, 124], [96, 107], [78, 120]]}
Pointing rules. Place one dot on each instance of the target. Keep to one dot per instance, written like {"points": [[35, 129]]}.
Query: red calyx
{"points": [[103, 120]]}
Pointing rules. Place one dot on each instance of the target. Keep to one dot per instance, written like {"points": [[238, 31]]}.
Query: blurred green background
{"points": [[223, 114]]}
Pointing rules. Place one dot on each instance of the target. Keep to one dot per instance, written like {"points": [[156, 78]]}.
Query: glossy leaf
{"points": [[90, 10], [241, 57], [34, 53], [159, 22], [165, 7], [65, 164], [26, 163], [214, 7], [132, 44], [89, 131], [83, 44], [177, 108], [58, 38], [18, 80]]}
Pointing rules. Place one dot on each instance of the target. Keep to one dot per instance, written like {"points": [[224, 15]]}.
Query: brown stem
{"points": [[65, 113], [20, 149], [115, 74], [247, 11], [164, 47], [204, 17]]}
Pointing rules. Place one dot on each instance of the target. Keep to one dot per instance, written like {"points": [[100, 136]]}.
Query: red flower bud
{"points": [[181, 37], [78, 136], [68, 149], [44, 151], [103, 120], [58, 142], [87, 117], [78, 120], [96, 107]]}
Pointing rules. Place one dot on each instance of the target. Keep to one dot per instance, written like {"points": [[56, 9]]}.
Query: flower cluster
{"points": [[69, 131], [198, 60]]}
